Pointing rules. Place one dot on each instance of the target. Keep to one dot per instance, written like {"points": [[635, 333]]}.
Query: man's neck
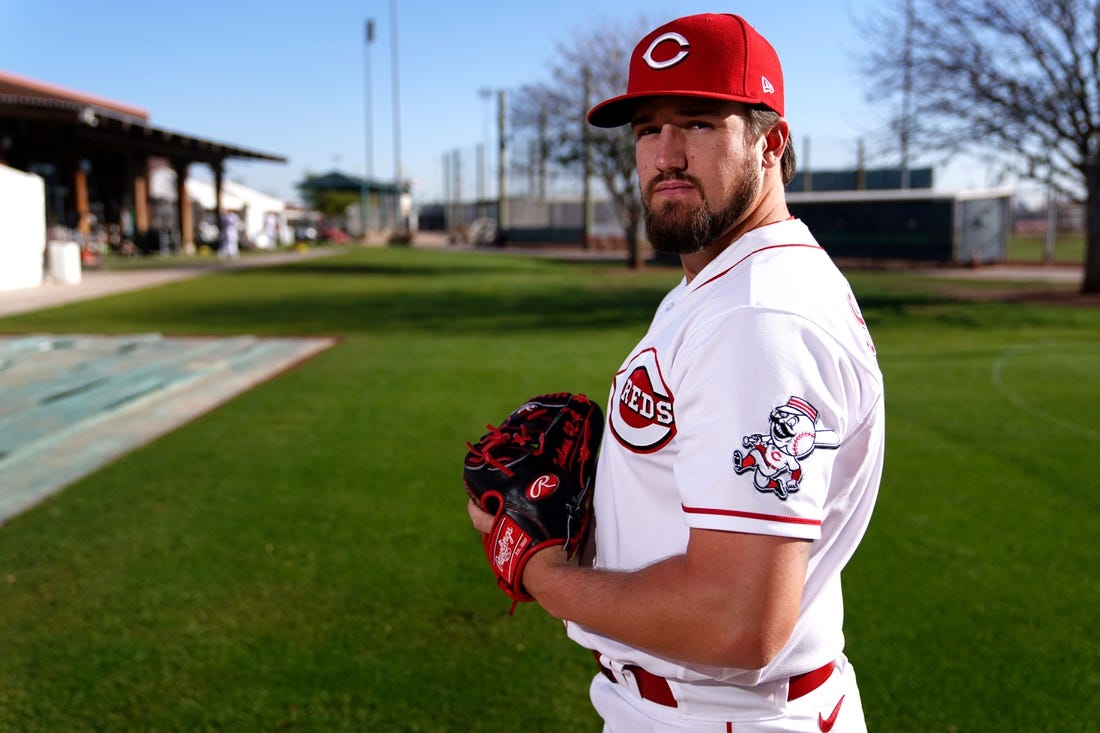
{"points": [[772, 209]]}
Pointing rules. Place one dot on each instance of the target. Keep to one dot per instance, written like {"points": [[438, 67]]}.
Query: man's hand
{"points": [[482, 521], [551, 556], [533, 474]]}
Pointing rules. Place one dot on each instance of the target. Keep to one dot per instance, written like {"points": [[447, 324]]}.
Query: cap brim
{"points": [[616, 111], [619, 111]]}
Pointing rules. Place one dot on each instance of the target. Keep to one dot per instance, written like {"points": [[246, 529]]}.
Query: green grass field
{"points": [[1069, 249], [300, 558]]}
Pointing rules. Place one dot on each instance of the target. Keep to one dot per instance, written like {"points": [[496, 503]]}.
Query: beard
{"points": [[678, 228]]}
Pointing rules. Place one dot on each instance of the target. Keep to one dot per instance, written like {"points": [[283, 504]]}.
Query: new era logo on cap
{"points": [[716, 56]]}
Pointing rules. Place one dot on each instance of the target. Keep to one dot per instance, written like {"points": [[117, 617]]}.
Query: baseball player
{"points": [[744, 441]]}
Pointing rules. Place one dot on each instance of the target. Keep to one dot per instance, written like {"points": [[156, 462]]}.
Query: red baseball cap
{"points": [[715, 56]]}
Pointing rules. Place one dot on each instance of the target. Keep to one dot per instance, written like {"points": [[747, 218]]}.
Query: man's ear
{"points": [[775, 142]]}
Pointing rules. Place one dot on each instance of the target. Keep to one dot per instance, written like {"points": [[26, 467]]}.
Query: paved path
{"points": [[1014, 273], [97, 283]]}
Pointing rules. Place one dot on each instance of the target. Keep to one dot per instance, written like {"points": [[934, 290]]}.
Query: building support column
{"points": [[141, 202], [80, 191], [183, 207], [219, 175]]}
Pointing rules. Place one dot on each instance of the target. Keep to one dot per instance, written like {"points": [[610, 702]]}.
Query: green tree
{"points": [[328, 201]]}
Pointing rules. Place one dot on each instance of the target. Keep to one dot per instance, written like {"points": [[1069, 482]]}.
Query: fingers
{"points": [[482, 521]]}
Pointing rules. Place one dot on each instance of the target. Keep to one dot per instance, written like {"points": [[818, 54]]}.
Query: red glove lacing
{"points": [[498, 439]]}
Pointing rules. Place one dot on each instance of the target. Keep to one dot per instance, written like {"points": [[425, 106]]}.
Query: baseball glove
{"points": [[534, 474]]}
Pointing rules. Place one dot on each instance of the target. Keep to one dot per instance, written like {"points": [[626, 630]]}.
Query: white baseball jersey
{"points": [[753, 404]]}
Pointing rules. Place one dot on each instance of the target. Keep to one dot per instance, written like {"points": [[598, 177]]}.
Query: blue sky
{"points": [[291, 78]]}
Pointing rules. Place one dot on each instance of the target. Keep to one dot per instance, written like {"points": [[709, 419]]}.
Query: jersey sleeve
{"points": [[763, 401]]}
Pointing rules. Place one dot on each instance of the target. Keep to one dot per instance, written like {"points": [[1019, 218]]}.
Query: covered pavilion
{"points": [[95, 155]]}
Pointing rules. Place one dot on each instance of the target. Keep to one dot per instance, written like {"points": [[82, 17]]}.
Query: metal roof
{"points": [[107, 127], [33, 109], [337, 181]]}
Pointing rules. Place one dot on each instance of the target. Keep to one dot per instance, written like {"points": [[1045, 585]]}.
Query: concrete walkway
{"points": [[96, 283], [1014, 273]]}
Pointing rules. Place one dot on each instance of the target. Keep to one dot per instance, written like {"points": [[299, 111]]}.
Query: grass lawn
{"points": [[1069, 249], [300, 558]]}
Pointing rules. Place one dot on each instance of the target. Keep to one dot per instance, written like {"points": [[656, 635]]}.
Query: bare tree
{"points": [[589, 67], [1015, 81]]}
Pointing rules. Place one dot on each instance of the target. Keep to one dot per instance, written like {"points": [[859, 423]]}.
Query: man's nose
{"points": [[670, 149]]}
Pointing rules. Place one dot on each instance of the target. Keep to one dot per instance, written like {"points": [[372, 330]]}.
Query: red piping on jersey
{"points": [[750, 254], [751, 515]]}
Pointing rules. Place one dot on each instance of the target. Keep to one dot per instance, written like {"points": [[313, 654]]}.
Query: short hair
{"points": [[759, 121]]}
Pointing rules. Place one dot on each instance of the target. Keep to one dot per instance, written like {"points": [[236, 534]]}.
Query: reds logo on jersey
{"points": [[641, 415]]}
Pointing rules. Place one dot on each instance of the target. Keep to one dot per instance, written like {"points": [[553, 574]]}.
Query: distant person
{"points": [[271, 230], [744, 443], [230, 238]]}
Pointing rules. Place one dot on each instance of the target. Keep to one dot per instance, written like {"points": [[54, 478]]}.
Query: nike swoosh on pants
{"points": [[826, 724]]}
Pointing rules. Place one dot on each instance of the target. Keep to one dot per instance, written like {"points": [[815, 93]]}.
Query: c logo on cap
{"points": [[670, 36]]}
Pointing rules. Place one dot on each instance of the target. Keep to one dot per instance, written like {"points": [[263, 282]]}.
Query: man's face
{"points": [[698, 173]]}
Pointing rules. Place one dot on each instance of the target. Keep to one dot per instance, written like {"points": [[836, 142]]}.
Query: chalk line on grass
{"points": [[1016, 397]]}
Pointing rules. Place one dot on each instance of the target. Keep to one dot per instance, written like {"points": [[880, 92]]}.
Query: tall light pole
{"points": [[486, 95], [502, 196], [586, 183], [397, 173], [368, 163]]}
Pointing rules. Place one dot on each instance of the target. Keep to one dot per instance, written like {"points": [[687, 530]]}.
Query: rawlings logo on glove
{"points": [[534, 474], [542, 487]]}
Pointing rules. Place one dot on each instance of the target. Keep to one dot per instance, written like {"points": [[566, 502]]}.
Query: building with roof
{"points": [[95, 156], [381, 207]]}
